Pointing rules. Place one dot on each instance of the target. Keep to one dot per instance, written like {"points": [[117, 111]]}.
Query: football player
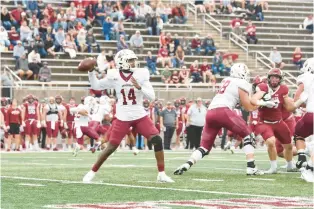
{"points": [[69, 123], [131, 85]]}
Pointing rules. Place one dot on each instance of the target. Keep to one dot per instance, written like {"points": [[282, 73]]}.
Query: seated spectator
{"points": [[119, 30], [106, 28], [250, 10], [196, 44], [5, 18], [100, 14], [185, 44], [117, 12], [59, 38], [225, 7], [160, 25], [251, 33], [80, 15], [89, 13], [71, 12], [34, 62], [137, 43], [276, 58], [259, 11], [23, 69], [53, 18], [176, 41], [161, 11], [81, 40], [49, 46], [18, 51], [199, 4], [13, 36], [195, 73], [308, 23], [44, 74], [129, 12], [184, 75], [151, 24], [91, 42], [25, 32], [4, 41], [168, 11], [235, 26], [44, 24], [16, 15], [178, 60], [39, 44], [49, 10], [168, 39], [238, 4], [79, 26], [166, 74], [34, 25], [210, 6], [61, 21], [171, 53], [297, 57], [217, 65], [69, 46], [163, 56], [30, 46], [227, 62], [209, 45], [102, 62], [143, 10], [121, 44], [175, 77], [162, 39], [31, 7], [151, 62], [179, 15], [205, 70]]}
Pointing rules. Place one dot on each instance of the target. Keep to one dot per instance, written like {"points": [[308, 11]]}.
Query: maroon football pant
{"points": [[222, 118], [291, 125], [279, 130], [304, 127], [87, 131]]}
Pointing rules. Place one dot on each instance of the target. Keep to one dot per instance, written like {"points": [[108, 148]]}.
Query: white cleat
{"points": [[292, 169], [232, 149], [75, 151], [183, 168], [163, 178], [89, 177], [271, 171], [135, 151], [307, 175], [253, 172]]}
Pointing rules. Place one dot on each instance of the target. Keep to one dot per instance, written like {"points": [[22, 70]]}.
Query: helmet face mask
{"points": [[308, 66], [274, 77], [241, 71], [125, 60], [30, 99]]}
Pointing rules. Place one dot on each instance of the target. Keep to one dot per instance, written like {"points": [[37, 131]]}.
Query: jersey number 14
{"points": [[131, 96]]}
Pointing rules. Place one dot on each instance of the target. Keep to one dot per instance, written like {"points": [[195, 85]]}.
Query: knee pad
{"points": [[157, 142], [203, 151], [298, 138], [249, 140]]}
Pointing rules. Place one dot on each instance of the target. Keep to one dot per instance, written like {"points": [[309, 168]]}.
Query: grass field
{"points": [[53, 180]]}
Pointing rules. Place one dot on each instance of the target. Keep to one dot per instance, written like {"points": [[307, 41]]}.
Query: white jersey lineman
{"points": [[308, 81], [80, 120], [229, 97], [99, 111], [130, 100]]}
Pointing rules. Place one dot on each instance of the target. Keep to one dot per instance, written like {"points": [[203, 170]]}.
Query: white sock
{"points": [[196, 155], [123, 144], [48, 145], [6, 146], [69, 146], [63, 146], [290, 164], [36, 145], [162, 173], [13, 146], [21, 147], [273, 164], [26, 144]]}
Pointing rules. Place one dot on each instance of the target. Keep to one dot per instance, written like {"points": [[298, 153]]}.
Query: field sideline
{"points": [[53, 180]]}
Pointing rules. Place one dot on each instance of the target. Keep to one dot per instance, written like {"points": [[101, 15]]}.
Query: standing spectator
{"points": [[5, 18], [227, 62], [165, 75], [81, 40], [59, 38], [137, 43], [217, 65], [89, 13], [297, 57], [4, 37], [121, 44], [259, 11], [69, 46], [168, 123], [196, 44], [7, 83], [39, 44], [80, 15], [185, 43], [176, 41], [91, 42], [199, 4], [308, 23], [13, 35], [276, 58], [102, 62], [151, 63], [129, 12], [163, 56], [14, 120], [106, 28], [196, 121], [18, 51], [251, 33], [184, 75], [160, 25], [171, 54], [49, 47], [34, 62], [178, 13], [209, 45], [143, 10], [44, 74], [149, 24], [25, 32], [100, 14], [195, 72], [179, 58], [23, 69]]}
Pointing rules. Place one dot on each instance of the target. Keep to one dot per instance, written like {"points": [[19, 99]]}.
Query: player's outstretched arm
{"points": [[148, 91], [245, 101], [261, 98], [97, 84]]}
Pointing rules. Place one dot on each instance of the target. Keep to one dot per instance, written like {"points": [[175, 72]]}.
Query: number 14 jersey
{"points": [[130, 100], [228, 94]]}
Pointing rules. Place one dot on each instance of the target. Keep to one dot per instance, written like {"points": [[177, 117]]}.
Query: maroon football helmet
{"points": [[275, 77]]}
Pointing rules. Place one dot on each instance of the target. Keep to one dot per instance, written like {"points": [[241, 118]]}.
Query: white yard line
{"points": [[32, 185], [261, 179], [154, 188], [209, 180]]}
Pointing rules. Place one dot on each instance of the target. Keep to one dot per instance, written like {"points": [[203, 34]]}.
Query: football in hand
{"points": [[87, 64]]}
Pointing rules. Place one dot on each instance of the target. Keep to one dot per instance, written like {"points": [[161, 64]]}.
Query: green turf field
{"points": [[53, 180]]}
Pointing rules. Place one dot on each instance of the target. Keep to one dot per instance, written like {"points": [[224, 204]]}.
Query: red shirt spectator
{"points": [[251, 29], [128, 11], [297, 57], [162, 39], [53, 18], [205, 67], [178, 11], [80, 13], [168, 39], [45, 23], [49, 9], [175, 77], [163, 52], [196, 42], [234, 21], [14, 115], [13, 35], [17, 13], [79, 26]]}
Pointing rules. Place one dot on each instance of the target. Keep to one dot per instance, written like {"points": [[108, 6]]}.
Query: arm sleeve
{"points": [[99, 84]]}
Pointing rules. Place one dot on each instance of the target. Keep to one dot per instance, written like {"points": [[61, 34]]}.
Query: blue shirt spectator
{"points": [[32, 6], [100, 14], [151, 62], [106, 28]]}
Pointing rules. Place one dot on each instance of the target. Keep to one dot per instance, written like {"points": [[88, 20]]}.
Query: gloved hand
{"points": [[269, 104]]}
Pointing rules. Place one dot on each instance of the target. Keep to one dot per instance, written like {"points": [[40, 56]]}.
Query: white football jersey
{"points": [[80, 120], [98, 112], [228, 94], [130, 100], [308, 81]]}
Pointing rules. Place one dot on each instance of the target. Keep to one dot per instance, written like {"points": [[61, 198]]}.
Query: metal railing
{"points": [[217, 25], [236, 40], [13, 75]]}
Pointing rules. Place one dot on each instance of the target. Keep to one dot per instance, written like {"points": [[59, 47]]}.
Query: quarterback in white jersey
{"points": [[235, 89], [132, 86], [304, 127]]}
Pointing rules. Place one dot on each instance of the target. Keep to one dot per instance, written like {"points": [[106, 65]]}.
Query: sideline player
{"points": [[234, 90], [131, 85]]}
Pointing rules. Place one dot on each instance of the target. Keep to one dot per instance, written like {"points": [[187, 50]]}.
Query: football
{"points": [[86, 64]]}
